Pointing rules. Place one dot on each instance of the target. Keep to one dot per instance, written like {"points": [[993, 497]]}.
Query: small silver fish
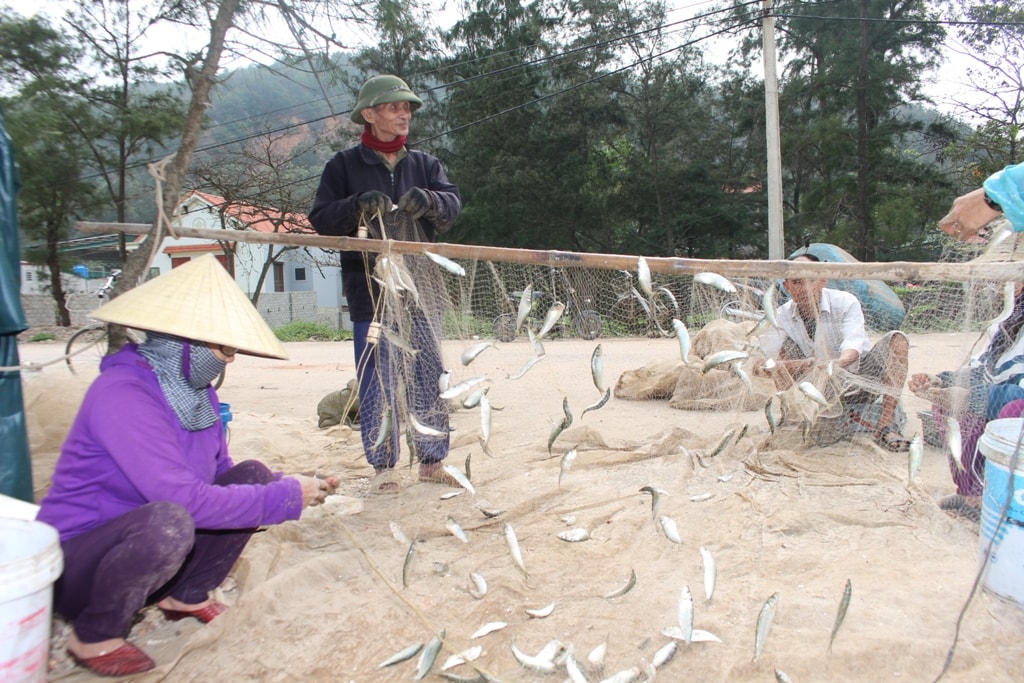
{"points": [[428, 656], [770, 415], [764, 624], [914, 457], [782, 677], [470, 354], [489, 627], [467, 655], [599, 404], [726, 356], [768, 305], [597, 368], [542, 665], [444, 380], [954, 442], [386, 424], [655, 499], [573, 670], [664, 654], [844, 604], [722, 443], [425, 429], [401, 655], [685, 613], [398, 533], [407, 565], [643, 276], [479, 588], [701, 497], [535, 344], [473, 400], [533, 360], [513, 548], [668, 525], [446, 263], [453, 527], [618, 593], [565, 464], [683, 336], [552, 317], [462, 387], [811, 392], [710, 572], [1008, 300], [459, 477], [485, 418], [743, 377], [596, 656], [541, 612], [525, 306], [399, 342], [715, 280]]}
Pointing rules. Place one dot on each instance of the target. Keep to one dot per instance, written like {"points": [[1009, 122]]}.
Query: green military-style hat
{"points": [[382, 90]]}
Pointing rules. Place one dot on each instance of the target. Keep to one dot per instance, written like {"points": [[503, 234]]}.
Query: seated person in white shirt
{"points": [[820, 325]]}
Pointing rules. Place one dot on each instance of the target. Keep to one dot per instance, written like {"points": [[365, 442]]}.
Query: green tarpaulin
{"points": [[15, 463]]}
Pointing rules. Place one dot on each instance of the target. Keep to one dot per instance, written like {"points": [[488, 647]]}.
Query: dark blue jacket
{"points": [[335, 210]]}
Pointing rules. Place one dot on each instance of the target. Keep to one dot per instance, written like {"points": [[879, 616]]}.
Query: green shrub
{"points": [[308, 331], [41, 337]]}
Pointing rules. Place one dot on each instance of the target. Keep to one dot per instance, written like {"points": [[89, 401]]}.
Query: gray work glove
{"points": [[415, 202], [373, 201]]}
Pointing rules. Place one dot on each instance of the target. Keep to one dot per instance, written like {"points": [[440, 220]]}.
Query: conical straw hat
{"points": [[199, 301]]}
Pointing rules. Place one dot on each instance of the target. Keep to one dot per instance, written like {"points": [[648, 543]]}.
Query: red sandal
{"points": [[123, 661], [204, 614]]}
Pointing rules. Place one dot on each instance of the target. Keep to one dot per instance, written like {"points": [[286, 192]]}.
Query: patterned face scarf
{"points": [[184, 371]]}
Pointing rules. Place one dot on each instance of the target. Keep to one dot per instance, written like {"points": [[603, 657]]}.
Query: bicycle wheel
{"points": [[86, 348], [587, 324], [627, 317], [664, 307]]}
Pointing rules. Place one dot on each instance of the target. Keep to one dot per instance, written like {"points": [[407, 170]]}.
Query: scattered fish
{"points": [[655, 499], [664, 654], [1008, 300], [625, 589], [542, 612], [525, 306], [844, 604], [764, 624], [386, 425], [565, 464], [574, 535], [468, 457], [596, 656], [685, 613], [668, 525], [955, 442], [472, 400], [743, 377], [479, 587], [535, 344], [725, 477], [811, 392], [513, 548], [715, 280], [683, 336], [401, 655], [462, 387], [572, 669], [710, 572], [485, 418], [451, 494], [399, 342], [398, 533], [701, 497], [533, 360], [453, 527], [446, 263], [769, 364], [470, 354], [459, 477], [768, 305], [490, 514], [696, 636], [914, 457], [770, 415], [407, 565], [553, 315], [722, 443], [597, 368], [560, 427], [428, 656], [782, 677], [444, 380], [624, 676], [546, 666], [489, 627], [726, 356], [599, 404], [425, 429], [462, 657], [643, 276]]}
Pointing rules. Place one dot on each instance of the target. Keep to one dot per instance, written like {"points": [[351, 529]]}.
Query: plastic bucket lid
{"points": [[1000, 441], [30, 557]]}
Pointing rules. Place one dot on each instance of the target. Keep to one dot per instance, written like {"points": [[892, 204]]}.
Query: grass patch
{"points": [[42, 337], [308, 331]]}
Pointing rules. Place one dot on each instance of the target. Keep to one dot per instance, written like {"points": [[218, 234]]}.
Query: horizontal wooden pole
{"points": [[894, 271]]}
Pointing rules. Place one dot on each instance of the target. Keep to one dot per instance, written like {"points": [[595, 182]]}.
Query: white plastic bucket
{"points": [[1004, 573], [30, 561]]}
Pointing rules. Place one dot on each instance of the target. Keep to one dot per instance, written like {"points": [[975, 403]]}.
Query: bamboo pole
{"points": [[896, 271]]}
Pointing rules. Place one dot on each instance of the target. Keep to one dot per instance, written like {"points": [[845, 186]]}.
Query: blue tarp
{"points": [[15, 463]]}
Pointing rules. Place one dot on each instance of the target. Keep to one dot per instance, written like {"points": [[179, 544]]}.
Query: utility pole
{"points": [[776, 244]]}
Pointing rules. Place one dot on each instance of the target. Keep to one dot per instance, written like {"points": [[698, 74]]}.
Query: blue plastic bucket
{"points": [[1004, 572], [225, 415]]}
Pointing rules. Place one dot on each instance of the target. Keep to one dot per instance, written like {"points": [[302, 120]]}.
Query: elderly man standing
{"points": [[358, 183], [818, 326]]}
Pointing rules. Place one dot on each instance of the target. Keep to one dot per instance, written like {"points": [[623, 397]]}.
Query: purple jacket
{"points": [[358, 169], [126, 448]]}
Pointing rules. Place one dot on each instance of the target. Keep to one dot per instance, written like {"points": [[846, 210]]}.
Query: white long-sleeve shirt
{"points": [[840, 327]]}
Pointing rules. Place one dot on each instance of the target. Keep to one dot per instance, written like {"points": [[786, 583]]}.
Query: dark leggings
{"points": [[143, 556]]}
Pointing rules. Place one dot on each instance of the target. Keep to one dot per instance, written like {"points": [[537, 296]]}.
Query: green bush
{"points": [[307, 331], [41, 337]]}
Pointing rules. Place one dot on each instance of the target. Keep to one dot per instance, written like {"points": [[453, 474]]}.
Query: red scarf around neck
{"points": [[371, 141]]}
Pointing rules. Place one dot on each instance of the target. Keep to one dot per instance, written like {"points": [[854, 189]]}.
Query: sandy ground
{"points": [[322, 599]]}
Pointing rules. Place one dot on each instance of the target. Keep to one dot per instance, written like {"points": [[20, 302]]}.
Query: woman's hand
{"points": [[314, 489], [969, 214]]}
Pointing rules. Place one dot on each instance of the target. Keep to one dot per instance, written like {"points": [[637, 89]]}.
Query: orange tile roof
{"points": [[255, 218]]}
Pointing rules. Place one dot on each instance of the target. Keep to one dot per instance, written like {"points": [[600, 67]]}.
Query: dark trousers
{"points": [[143, 556]]}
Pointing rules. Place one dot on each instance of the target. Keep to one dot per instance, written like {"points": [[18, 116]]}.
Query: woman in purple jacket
{"points": [[358, 183], [149, 506]]}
